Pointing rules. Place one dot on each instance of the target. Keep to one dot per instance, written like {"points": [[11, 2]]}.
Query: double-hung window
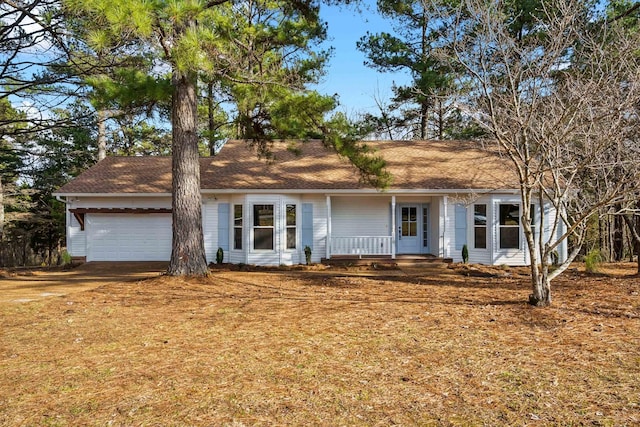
{"points": [[291, 226], [263, 227], [532, 212], [237, 226], [480, 226], [509, 226]]}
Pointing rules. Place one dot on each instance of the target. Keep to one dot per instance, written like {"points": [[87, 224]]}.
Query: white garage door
{"points": [[128, 237]]}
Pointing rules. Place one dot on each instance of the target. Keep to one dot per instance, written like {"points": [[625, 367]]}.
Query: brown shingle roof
{"points": [[428, 165]]}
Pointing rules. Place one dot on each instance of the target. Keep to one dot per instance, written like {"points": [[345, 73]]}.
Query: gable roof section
{"points": [[127, 175], [415, 165]]}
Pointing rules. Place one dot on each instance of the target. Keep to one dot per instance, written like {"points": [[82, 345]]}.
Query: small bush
{"points": [[66, 258], [465, 254], [219, 256], [307, 254], [592, 260]]}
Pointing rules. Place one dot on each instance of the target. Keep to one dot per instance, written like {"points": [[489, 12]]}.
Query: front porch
{"points": [[384, 227]]}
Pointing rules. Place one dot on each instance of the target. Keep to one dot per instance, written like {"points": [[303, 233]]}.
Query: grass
{"points": [[296, 348]]}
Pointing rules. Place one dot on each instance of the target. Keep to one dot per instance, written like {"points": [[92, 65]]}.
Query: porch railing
{"points": [[361, 245]]}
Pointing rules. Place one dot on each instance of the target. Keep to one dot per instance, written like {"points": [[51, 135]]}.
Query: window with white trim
{"points": [[263, 227], [291, 226], [480, 226], [237, 226], [532, 212], [509, 226]]}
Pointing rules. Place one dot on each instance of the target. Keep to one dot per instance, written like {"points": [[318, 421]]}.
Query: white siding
{"points": [[449, 244], [280, 254], [479, 256], [360, 216], [210, 228], [319, 227], [76, 242], [237, 256]]}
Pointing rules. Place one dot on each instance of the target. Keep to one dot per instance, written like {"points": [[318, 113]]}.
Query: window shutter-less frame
{"points": [[307, 225], [461, 226], [223, 226]]}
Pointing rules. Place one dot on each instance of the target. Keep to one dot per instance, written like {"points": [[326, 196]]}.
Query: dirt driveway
{"points": [[32, 285]]}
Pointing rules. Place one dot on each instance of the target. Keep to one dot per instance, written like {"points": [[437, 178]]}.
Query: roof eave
{"points": [[366, 191], [65, 194], [363, 191]]}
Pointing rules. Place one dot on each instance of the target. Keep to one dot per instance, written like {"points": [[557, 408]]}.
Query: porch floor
{"points": [[406, 260]]}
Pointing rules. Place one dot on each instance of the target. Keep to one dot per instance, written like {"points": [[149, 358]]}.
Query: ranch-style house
{"points": [[444, 194]]}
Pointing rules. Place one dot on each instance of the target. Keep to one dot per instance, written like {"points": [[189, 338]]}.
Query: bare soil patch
{"points": [[29, 284], [323, 348]]}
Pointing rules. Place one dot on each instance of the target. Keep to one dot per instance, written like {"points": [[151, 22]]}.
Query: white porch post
{"points": [[443, 228], [393, 227], [328, 245]]}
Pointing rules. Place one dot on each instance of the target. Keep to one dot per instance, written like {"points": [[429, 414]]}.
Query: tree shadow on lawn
{"points": [[322, 288]]}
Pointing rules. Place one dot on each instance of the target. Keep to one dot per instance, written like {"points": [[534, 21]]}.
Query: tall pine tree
{"points": [[218, 38]]}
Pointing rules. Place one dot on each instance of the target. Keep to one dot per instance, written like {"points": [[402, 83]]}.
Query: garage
{"points": [[128, 237]]}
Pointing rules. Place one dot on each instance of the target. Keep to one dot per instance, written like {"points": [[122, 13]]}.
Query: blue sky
{"points": [[347, 75]]}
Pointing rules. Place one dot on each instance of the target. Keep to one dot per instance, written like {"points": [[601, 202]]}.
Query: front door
{"points": [[408, 229]]}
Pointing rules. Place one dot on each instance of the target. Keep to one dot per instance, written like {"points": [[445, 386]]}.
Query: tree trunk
{"points": [[633, 223], [637, 240], [187, 255], [210, 109], [102, 134], [440, 121], [424, 122], [617, 234], [541, 296]]}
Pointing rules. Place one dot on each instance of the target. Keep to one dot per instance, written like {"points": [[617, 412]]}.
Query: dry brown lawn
{"points": [[312, 348]]}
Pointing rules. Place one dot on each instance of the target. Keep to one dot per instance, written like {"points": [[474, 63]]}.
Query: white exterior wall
{"points": [[447, 222], [319, 227], [493, 254], [77, 238], [360, 216], [479, 255], [280, 254], [210, 227], [351, 216], [235, 256]]}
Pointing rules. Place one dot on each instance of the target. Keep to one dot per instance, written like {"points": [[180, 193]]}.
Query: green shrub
{"points": [[307, 254], [465, 254], [66, 258], [592, 260], [219, 256]]}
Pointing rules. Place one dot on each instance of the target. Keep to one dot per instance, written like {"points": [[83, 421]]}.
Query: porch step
{"points": [[387, 261]]}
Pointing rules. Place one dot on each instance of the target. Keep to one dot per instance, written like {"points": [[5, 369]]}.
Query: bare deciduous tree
{"points": [[555, 98]]}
